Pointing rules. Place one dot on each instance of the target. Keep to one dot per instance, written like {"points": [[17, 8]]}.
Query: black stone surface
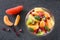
{"points": [[52, 5]]}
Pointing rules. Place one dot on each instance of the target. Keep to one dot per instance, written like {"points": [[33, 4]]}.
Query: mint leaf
{"points": [[37, 17]]}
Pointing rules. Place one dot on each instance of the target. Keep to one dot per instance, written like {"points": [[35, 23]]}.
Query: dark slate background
{"points": [[52, 5]]}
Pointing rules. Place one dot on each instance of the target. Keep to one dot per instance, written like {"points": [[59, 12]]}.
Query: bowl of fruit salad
{"points": [[39, 21]]}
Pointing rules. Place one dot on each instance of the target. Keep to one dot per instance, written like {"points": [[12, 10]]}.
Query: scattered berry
{"points": [[17, 33], [14, 29], [45, 20], [48, 18], [20, 30], [4, 29], [7, 29]]}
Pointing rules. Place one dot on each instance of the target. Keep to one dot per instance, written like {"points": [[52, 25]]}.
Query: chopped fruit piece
{"points": [[37, 17], [14, 10], [35, 31], [29, 21], [7, 21], [46, 28], [41, 14], [32, 17], [17, 20], [38, 30], [50, 23], [35, 26], [42, 24], [30, 29], [34, 13], [46, 14]]}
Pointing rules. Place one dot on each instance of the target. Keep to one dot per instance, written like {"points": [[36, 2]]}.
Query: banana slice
{"points": [[17, 20], [35, 27], [7, 21]]}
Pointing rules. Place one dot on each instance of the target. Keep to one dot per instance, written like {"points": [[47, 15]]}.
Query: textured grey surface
{"points": [[52, 5]]}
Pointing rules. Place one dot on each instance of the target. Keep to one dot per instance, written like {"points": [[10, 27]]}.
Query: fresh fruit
{"points": [[39, 21], [7, 21], [35, 26], [46, 28], [42, 24], [29, 21], [14, 10], [34, 13], [50, 23], [41, 13], [44, 18], [32, 17], [37, 17], [17, 20]]}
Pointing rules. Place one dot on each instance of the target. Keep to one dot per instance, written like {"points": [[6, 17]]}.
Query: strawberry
{"points": [[14, 10], [41, 13]]}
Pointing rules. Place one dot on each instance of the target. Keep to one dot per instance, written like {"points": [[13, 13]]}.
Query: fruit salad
{"points": [[39, 21]]}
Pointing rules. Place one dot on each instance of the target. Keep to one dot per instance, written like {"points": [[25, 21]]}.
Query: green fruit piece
{"points": [[29, 21], [37, 17], [46, 28], [40, 33], [31, 30]]}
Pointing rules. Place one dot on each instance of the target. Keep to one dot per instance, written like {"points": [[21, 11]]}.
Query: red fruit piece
{"points": [[35, 31], [43, 30], [41, 14], [14, 10]]}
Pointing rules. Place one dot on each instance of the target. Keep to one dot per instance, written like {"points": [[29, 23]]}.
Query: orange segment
{"points": [[50, 23], [42, 24]]}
